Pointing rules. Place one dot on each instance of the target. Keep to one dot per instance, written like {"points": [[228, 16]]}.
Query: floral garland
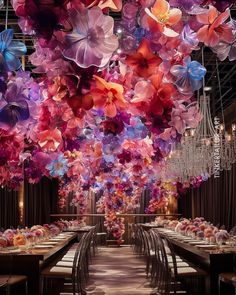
{"points": [[113, 95]]}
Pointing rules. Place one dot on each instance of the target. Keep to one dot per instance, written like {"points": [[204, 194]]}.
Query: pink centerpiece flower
{"points": [[3, 242], [92, 41], [221, 236], [9, 235]]}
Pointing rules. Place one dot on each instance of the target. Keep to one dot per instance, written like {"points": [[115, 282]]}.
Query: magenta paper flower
{"points": [[92, 41]]}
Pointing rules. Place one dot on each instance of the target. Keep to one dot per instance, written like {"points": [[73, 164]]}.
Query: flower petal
{"points": [[170, 33], [82, 54], [160, 8], [5, 39], [232, 53], [174, 16], [12, 62], [221, 19], [149, 13], [110, 110], [212, 14], [17, 48]]}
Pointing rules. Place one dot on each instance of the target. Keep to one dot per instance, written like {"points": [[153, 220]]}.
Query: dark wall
{"points": [[40, 201], [9, 211], [215, 200]]}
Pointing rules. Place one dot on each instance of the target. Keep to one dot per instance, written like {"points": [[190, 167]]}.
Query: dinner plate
{"points": [[7, 251], [43, 246], [197, 243], [49, 243], [207, 246]]}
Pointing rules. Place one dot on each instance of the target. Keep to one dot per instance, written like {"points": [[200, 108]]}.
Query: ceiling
{"points": [[225, 71]]}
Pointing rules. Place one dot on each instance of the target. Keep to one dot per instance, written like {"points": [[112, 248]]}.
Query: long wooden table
{"points": [[213, 259], [30, 261]]}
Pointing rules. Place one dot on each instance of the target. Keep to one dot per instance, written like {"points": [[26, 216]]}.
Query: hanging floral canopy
{"points": [[112, 90]]}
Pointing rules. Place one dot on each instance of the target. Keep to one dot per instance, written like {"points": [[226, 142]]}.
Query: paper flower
{"points": [[224, 50], [108, 96], [13, 106], [10, 51], [39, 16], [187, 5], [188, 76], [164, 17], [214, 30], [220, 5], [144, 62], [50, 140], [182, 117], [114, 5], [58, 167], [92, 41]]}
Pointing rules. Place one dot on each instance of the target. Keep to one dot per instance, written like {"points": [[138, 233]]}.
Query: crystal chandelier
{"points": [[204, 151], [194, 155]]}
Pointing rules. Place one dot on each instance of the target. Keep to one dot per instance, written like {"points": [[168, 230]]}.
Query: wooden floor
{"points": [[117, 271]]}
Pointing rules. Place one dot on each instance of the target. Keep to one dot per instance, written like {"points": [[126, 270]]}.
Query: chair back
{"points": [[163, 273]]}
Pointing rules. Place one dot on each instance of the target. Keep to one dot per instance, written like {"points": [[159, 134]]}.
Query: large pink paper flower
{"points": [[92, 41], [214, 29], [182, 117], [50, 140]]}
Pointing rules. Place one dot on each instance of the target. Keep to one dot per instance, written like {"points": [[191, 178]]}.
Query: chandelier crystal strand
{"points": [[227, 140]]}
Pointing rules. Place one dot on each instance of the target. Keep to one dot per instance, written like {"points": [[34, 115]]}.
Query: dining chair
{"points": [[227, 278], [181, 269], [8, 282], [163, 280], [71, 272]]}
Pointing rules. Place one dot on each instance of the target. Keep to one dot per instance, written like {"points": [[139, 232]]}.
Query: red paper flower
{"points": [[144, 62]]}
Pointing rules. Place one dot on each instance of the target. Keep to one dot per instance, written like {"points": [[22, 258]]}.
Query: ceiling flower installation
{"points": [[112, 96]]}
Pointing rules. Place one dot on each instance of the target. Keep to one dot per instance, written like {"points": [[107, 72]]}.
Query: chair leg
{"points": [[41, 286], [8, 290], [26, 288]]}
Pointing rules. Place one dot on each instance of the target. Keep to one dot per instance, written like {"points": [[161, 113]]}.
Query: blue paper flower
{"points": [[10, 51], [188, 76], [58, 167]]}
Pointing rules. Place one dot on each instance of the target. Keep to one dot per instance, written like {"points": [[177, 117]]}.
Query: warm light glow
{"points": [[192, 132], [222, 127], [233, 127], [228, 137]]}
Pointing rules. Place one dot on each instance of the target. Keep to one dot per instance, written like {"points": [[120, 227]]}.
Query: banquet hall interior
{"points": [[117, 147]]}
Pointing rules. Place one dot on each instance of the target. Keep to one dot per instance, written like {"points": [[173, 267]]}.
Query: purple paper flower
{"points": [[13, 106], [92, 41], [189, 37]]}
